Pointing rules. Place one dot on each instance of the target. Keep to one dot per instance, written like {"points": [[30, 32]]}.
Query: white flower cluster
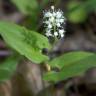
{"points": [[53, 21]]}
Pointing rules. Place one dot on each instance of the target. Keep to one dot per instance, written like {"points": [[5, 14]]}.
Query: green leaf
{"points": [[26, 6], [71, 64], [31, 9], [51, 76], [69, 58], [27, 43], [90, 5], [78, 11], [78, 68], [7, 68]]}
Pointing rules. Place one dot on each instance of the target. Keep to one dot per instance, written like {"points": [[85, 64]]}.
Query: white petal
{"points": [[61, 20], [62, 35], [58, 14], [58, 24], [46, 22], [51, 19], [49, 26], [61, 31], [52, 7], [48, 34], [57, 20], [54, 14], [55, 33], [48, 14]]}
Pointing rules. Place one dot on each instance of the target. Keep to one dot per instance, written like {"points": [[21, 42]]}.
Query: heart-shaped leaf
{"points": [[71, 64], [27, 43]]}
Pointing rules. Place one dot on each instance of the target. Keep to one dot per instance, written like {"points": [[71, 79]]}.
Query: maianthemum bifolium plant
{"points": [[29, 43]]}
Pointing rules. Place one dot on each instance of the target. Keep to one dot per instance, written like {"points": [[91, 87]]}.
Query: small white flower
{"points": [[54, 14], [61, 31], [58, 25], [59, 15], [48, 33], [52, 7], [49, 26], [57, 20], [46, 22], [62, 35], [55, 33], [51, 19], [48, 14], [61, 20]]}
